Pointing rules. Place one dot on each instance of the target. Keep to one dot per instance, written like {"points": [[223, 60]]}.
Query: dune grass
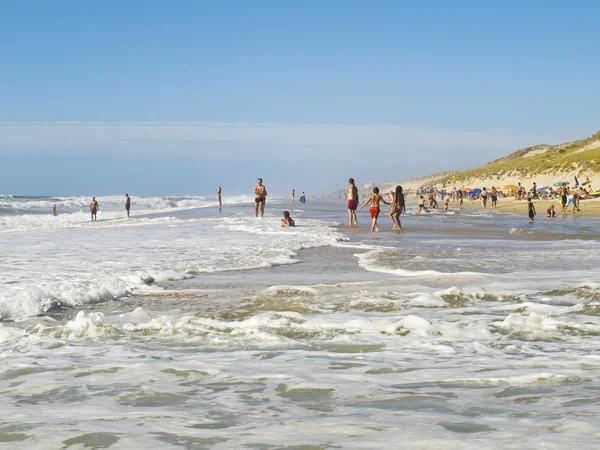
{"points": [[557, 159]]}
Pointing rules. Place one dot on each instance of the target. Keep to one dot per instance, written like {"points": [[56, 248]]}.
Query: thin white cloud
{"points": [[258, 141]]}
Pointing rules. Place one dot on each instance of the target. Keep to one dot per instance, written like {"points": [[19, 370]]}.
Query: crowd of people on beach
{"points": [[427, 199]]}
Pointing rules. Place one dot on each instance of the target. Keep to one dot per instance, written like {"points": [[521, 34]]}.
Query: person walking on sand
{"points": [[260, 197], [484, 195], [352, 202], [397, 205], [374, 200], [127, 204], [530, 209], [94, 208], [219, 192]]}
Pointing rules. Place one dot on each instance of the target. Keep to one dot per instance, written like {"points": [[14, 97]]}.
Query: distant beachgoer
{"points": [[54, 209], [374, 200], [287, 221], [352, 202], [550, 212], [422, 206], [461, 198], [94, 208], [127, 204], [397, 205], [260, 194], [562, 191], [219, 192], [534, 190], [293, 195], [447, 204], [302, 198], [494, 195], [484, 196], [530, 209]]}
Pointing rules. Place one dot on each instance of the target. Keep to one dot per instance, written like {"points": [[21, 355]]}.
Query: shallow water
{"points": [[194, 329]]}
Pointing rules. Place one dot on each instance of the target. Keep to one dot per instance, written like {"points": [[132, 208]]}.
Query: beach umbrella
{"points": [[497, 187], [560, 183], [542, 188], [511, 187], [476, 191], [467, 189]]}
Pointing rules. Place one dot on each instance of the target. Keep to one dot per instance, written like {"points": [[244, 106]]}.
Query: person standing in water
{"points": [[219, 198], [460, 197], [530, 209], [54, 209], [260, 197], [398, 205], [484, 195], [94, 208], [302, 198], [293, 195], [127, 204], [494, 194], [352, 201], [374, 200]]}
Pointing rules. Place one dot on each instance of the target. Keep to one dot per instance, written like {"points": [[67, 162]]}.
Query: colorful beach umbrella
{"points": [[511, 187], [467, 189]]}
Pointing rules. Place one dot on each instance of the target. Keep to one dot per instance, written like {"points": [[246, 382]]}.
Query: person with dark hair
{"points": [[530, 209], [398, 205], [287, 221], [219, 191], [94, 208], [352, 202], [260, 197], [374, 200], [127, 204]]}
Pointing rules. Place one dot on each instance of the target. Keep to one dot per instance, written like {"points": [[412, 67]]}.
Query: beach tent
{"points": [[560, 183], [467, 189], [476, 191]]}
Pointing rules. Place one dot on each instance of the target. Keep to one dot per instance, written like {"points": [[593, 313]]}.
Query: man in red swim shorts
{"points": [[352, 202], [374, 200]]}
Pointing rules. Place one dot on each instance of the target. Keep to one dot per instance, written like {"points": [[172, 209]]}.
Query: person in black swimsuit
{"points": [[484, 195], [260, 194], [127, 204]]}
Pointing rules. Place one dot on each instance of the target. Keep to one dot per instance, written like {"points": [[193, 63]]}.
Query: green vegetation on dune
{"points": [[583, 156]]}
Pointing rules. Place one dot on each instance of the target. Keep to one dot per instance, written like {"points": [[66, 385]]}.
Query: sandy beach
{"points": [[587, 207]]}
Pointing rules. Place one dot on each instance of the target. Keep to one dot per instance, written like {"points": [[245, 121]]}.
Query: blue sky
{"points": [[304, 94]]}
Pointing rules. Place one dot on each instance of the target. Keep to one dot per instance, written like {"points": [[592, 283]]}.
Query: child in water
{"points": [[550, 212], [287, 221], [374, 200], [422, 206]]}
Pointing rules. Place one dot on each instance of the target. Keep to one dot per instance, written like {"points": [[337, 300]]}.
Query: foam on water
{"points": [[462, 340]]}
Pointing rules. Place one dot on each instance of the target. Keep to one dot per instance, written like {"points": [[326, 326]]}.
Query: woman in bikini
{"points": [[397, 205]]}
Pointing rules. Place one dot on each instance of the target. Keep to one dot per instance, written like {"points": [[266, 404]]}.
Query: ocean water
{"points": [[189, 328]]}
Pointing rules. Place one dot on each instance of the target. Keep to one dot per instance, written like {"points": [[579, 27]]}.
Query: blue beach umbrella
{"points": [[476, 191]]}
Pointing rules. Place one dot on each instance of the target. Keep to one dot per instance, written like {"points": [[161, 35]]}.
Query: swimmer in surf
{"points": [[260, 194], [287, 221], [397, 205], [374, 200], [352, 202], [219, 198], [94, 208], [127, 204], [54, 209]]}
